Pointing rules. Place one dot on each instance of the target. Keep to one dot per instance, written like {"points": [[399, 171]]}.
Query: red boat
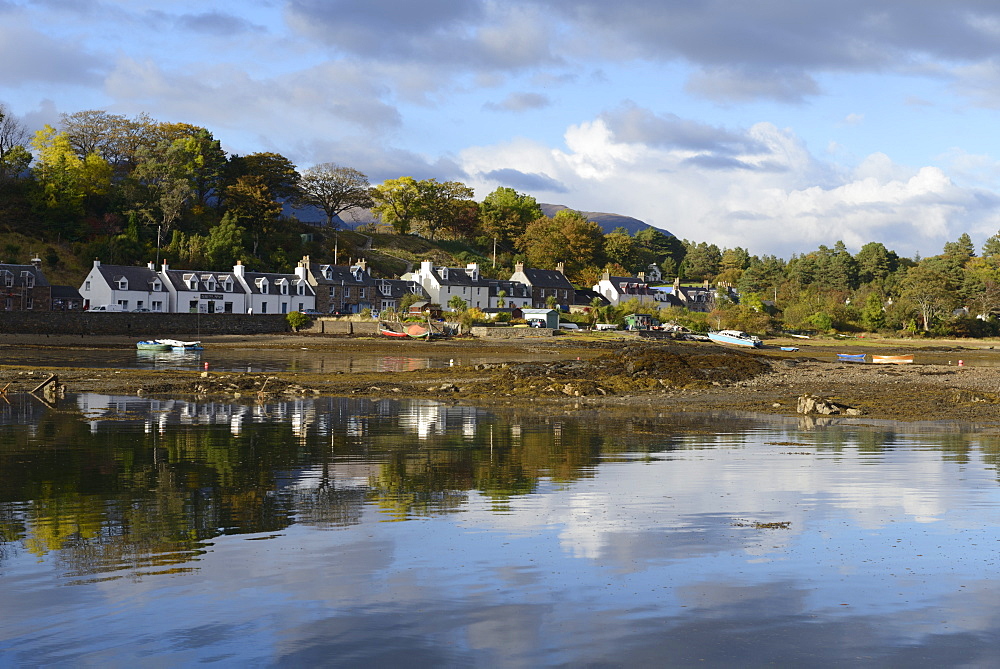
{"points": [[391, 333]]}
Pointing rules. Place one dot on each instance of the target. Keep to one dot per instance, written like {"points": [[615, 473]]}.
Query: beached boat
{"points": [[152, 345], [789, 348], [178, 345], [735, 337], [388, 332], [418, 332], [851, 357], [892, 359]]}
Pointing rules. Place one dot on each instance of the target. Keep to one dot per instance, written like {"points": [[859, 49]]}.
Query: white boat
{"points": [[178, 345], [735, 337]]}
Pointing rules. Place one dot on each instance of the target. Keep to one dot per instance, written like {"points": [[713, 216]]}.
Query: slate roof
{"points": [[547, 278], [138, 278], [16, 271], [273, 280]]}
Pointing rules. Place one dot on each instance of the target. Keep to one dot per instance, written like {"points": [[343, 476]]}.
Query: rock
{"points": [[809, 404]]}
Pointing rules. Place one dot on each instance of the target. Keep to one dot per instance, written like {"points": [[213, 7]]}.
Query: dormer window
{"points": [[326, 271], [156, 285], [282, 286], [227, 284], [8, 279], [300, 288], [191, 281], [263, 286], [385, 289], [444, 273], [29, 279]]}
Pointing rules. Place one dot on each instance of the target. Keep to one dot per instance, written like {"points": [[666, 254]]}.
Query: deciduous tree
{"points": [[334, 189]]}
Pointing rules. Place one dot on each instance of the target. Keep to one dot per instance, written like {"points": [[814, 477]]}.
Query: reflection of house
{"points": [[125, 286], [545, 283], [338, 289], [271, 293]]}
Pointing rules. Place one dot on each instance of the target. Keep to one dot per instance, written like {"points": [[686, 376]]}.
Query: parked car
{"points": [[563, 325], [140, 310], [107, 307], [312, 313]]}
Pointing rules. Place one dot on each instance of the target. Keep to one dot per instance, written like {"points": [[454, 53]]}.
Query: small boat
{"points": [[735, 337], [789, 348], [152, 345], [892, 359], [382, 330], [418, 332], [852, 357], [178, 345]]}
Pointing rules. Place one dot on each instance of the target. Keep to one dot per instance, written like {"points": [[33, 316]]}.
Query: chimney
{"points": [[97, 263], [238, 268], [363, 264], [36, 262], [561, 268], [606, 276], [642, 277], [705, 284], [518, 267], [677, 284], [426, 266], [165, 266]]}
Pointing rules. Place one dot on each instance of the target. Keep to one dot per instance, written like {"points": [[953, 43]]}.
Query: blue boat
{"points": [[851, 357], [735, 337]]}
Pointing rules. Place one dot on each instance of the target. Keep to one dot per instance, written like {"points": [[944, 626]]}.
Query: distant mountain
{"points": [[608, 222], [355, 217]]}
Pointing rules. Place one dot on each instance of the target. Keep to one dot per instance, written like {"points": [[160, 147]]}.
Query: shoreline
{"points": [[579, 374]]}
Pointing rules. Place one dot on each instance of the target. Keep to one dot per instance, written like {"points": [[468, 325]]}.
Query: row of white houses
{"points": [[126, 288]]}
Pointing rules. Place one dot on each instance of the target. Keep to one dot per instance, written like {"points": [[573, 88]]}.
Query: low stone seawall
{"points": [[512, 333], [138, 325], [333, 326]]}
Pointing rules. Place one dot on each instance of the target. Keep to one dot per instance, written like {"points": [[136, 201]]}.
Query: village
{"points": [[318, 289]]}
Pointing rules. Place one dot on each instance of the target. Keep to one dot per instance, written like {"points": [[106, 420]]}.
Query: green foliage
{"points": [[297, 320], [456, 303], [504, 214]]}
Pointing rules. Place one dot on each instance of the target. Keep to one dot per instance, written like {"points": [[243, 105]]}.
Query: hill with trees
{"points": [[133, 190]]}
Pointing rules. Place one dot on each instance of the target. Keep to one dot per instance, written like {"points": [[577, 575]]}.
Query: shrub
{"points": [[297, 319]]}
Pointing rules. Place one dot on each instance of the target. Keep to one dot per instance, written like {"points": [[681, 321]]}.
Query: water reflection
{"points": [[206, 531]]}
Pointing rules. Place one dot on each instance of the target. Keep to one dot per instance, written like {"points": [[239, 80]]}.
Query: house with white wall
{"points": [[126, 286], [194, 291], [443, 283], [619, 289], [274, 293]]}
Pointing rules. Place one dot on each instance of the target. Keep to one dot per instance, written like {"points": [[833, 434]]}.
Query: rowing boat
{"points": [[851, 357], [892, 359]]}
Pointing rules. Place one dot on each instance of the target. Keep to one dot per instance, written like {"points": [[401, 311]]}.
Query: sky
{"points": [[773, 125]]}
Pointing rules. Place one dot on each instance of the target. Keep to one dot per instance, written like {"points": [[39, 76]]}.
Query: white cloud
{"points": [[778, 199]]}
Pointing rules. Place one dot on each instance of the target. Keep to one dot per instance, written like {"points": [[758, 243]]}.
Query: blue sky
{"points": [[776, 125]]}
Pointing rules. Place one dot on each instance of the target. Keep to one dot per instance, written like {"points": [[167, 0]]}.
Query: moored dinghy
{"points": [[851, 357]]}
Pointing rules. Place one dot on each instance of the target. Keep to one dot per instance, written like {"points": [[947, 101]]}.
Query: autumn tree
{"points": [[621, 248], [276, 171], [567, 237], [253, 208], [397, 203], [334, 189], [505, 214], [443, 206]]}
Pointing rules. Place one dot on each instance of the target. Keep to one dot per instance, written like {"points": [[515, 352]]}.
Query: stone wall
{"points": [[512, 333], [139, 325], [336, 326]]}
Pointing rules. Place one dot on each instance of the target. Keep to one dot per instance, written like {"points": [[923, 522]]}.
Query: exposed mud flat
{"points": [[570, 372]]}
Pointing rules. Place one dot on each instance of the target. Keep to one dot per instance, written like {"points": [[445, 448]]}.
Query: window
{"points": [[300, 288], [8, 280], [123, 304], [29, 303], [156, 287], [333, 291], [156, 306], [347, 292], [29, 279], [361, 292], [122, 284], [284, 287], [8, 304], [86, 286], [263, 307]]}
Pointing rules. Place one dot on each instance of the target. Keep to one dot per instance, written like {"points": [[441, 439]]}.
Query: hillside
{"points": [[608, 222]]}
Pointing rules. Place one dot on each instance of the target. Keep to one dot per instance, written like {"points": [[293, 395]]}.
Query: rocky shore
{"points": [[579, 373]]}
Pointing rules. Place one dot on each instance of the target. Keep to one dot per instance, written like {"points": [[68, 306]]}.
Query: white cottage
{"points": [[124, 286]]}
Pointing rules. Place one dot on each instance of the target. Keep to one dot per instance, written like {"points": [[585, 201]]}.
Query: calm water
{"points": [[347, 532], [304, 359]]}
